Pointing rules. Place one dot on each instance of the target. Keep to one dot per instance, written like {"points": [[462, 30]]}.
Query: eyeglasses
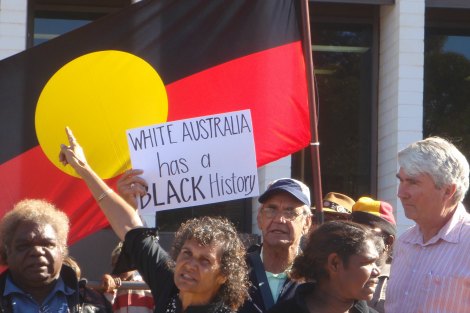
{"points": [[288, 215]]}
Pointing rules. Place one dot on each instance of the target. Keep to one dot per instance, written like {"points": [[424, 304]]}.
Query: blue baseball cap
{"points": [[294, 187]]}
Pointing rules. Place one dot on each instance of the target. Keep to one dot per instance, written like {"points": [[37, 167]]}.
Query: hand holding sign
{"points": [[130, 186]]}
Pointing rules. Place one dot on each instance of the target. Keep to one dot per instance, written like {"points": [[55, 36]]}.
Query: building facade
{"points": [[387, 72]]}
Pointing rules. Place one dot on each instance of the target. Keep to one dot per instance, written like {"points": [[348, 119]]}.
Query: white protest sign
{"points": [[195, 161]]}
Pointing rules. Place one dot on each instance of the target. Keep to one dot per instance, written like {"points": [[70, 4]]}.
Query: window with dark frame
{"points": [[343, 56], [48, 19]]}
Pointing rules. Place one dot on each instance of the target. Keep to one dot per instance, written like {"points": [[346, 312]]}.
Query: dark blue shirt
{"points": [[55, 302]]}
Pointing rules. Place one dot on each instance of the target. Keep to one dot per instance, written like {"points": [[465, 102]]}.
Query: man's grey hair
{"points": [[441, 160]]}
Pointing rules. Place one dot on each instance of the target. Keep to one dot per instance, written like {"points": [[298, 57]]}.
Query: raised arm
{"points": [[119, 213]]}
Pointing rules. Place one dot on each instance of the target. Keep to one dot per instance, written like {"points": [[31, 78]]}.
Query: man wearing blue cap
{"points": [[284, 216]]}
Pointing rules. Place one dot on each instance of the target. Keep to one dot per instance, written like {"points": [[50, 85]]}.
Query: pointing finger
{"points": [[70, 137]]}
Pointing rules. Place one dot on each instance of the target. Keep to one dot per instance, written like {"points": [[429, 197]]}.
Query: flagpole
{"points": [[314, 143]]}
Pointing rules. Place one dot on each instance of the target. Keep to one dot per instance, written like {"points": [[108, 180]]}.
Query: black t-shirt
{"points": [[297, 304]]}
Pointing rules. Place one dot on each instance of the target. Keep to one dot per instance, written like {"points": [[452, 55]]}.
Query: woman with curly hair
{"points": [[339, 269], [206, 271]]}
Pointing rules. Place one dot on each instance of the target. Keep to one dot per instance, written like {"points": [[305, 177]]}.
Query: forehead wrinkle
{"points": [[210, 250], [275, 205], [43, 232]]}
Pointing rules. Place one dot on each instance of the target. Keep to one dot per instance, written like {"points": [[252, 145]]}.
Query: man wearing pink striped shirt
{"points": [[431, 266]]}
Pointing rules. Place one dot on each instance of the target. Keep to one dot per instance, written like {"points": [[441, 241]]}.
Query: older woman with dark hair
{"points": [[339, 270], [207, 271], [220, 231]]}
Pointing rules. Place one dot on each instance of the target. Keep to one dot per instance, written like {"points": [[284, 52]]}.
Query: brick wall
{"points": [[13, 15], [400, 92]]}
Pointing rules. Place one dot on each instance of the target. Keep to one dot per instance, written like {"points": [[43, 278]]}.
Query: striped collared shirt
{"points": [[432, 277]]}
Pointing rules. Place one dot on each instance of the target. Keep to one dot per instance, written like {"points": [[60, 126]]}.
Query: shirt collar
{"points": [[450, 232], [11, 288], [279, 276]]}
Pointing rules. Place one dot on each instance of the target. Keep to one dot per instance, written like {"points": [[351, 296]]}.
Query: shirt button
{"points": [[406, 293]]}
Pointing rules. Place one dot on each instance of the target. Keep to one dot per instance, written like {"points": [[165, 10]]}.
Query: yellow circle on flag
{"points": [[99, 96]]}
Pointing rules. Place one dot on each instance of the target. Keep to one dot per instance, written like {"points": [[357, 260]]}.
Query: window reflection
{"points": [[49, 28], [447, 86], [457, 44]]}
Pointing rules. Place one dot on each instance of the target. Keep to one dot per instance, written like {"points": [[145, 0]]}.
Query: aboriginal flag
{"points": [[152, 62]]}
